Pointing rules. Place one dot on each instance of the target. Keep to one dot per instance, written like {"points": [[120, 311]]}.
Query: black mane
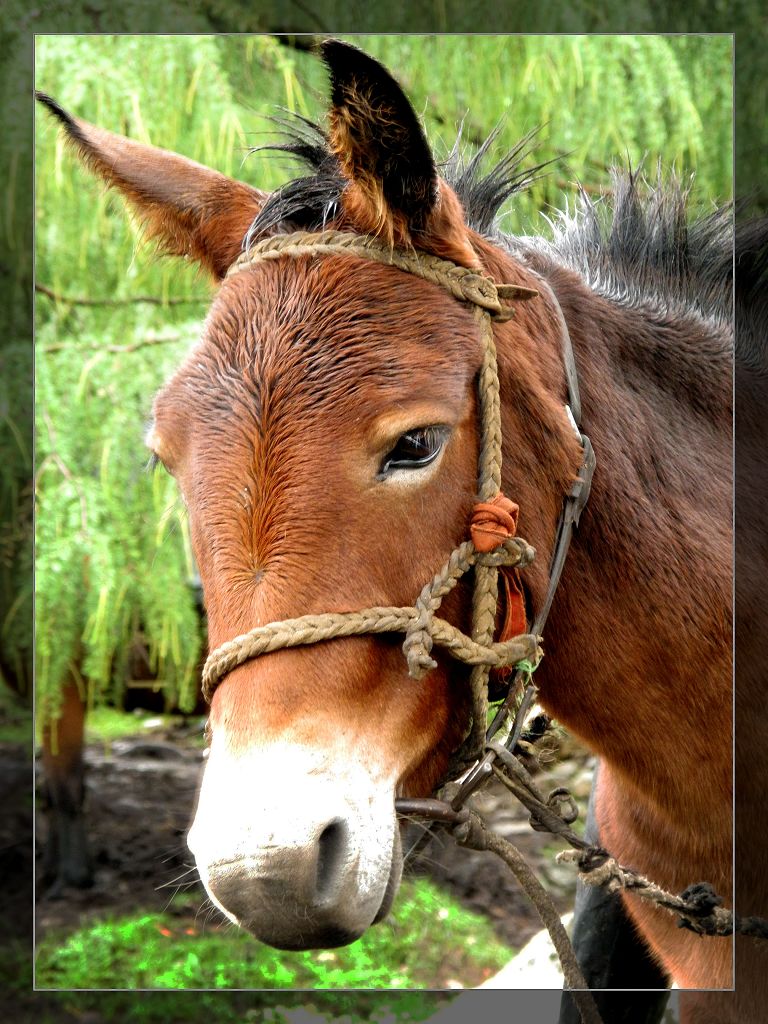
{"points": [[309, 202], [305, 203], [638, 243]]}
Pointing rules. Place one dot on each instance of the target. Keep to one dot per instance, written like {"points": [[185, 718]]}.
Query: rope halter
{"points": [[493, 544]]}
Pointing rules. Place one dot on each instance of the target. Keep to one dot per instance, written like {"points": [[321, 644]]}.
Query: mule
{"points": [[323, 433]]}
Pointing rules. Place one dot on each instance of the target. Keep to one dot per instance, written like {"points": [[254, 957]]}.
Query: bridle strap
{"points": [[463, 283], [569, 361], [573, 506]]}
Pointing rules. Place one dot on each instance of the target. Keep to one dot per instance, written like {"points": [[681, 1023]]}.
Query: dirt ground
{"points": [[140, 801], [140, 795]]}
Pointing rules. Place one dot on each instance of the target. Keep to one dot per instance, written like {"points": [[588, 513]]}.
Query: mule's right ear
{"points": [[188, 208]]}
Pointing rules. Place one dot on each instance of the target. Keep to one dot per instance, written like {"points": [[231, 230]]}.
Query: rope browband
{"points": [[493, 544]]}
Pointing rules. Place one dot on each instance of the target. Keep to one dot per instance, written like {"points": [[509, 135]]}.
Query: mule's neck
{"points": [[637, 643]]}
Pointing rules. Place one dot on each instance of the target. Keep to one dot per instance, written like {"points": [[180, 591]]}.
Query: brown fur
{"points": [[444, 234], [262, 559]]}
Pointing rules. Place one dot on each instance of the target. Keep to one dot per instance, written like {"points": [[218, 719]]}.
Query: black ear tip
{"points": [[345, 61], [58, 112], [334, 50]]}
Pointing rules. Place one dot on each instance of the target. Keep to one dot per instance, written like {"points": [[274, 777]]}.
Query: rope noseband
{"points": [[493, 544]]}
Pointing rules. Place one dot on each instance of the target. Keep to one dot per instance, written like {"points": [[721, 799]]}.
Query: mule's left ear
{"points": [[392, 185]]}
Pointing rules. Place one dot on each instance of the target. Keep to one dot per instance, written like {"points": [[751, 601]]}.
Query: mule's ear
{"points": [[188, 208], [392, 185], [379, 143]]}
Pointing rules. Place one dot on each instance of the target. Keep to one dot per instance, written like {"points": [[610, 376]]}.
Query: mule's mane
{"points": [[312, 201], [639, 245], [636, 244]]}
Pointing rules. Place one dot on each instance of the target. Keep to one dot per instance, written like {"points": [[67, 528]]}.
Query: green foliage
{"points": [[598, 100], [168, 91], [112, 550], [156, 951]]}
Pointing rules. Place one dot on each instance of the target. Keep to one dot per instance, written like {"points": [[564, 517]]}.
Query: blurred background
{"points": [[118, 614]]}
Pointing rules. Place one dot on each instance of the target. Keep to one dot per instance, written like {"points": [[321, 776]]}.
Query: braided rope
{"points": [[489, 469], [464, 284], [422, 628], [418, 638], [698, 908], [486, 595], [310, 629]]}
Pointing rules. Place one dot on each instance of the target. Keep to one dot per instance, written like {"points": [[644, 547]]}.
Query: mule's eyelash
{"points": [[153, 462], [415, 449]]}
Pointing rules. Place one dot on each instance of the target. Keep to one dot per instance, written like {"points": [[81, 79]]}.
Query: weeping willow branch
{"points": [[154, 300], [150, 339], [53, 459]]}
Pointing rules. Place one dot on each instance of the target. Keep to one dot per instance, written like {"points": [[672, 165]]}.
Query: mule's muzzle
{"points": [[310, 860], [304, 897]]}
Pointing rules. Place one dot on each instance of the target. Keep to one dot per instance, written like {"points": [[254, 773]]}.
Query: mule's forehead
{"points": [[283, 415], [313, 337]]}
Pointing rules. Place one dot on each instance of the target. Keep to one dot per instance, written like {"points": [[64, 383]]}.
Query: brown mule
{"points": [[324, 436]]}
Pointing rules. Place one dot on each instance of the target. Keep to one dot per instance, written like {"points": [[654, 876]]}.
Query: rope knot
{"points": [[481, 291], [471, 832], [701, 898], [493, 522]]}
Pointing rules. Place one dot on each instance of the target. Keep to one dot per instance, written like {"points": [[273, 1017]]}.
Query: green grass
{"points": [[105, 724], [427, 941], [174, 1007]]}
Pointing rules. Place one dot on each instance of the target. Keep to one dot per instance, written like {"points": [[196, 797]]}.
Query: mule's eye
{"points": [[415, 449]]}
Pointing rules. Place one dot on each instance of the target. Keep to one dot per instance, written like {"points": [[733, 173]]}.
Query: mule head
{"points": [[323, 434]]}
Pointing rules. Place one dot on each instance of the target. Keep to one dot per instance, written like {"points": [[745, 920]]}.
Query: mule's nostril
{"points": [[331, 847]]}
